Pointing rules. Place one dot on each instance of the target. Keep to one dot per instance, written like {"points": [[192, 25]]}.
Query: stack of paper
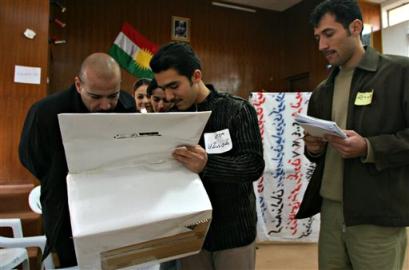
{"points": [[318, 127]]}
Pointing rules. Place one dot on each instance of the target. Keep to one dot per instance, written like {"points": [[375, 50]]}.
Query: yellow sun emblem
{"points": [[142, 58]]}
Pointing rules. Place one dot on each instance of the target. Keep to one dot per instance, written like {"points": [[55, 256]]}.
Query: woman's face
{"points": [[141, 99], [159, 102]]}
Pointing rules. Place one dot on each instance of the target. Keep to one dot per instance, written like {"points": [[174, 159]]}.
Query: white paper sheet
{"points": [[98, 141], [319, 127], [24, 74]]}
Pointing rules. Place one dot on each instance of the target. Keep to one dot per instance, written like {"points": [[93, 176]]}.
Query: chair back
{"points": [[34, 199]]}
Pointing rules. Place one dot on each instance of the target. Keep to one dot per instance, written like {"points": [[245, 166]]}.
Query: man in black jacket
{"points": [[96, 89], [228, 159], [361, 183]]}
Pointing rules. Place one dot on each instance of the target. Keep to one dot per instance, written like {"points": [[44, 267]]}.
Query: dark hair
{"points": [[179, 56], [152, 86], [345, 12], [140, 82]]}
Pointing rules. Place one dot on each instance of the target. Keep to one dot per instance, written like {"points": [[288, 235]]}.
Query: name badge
{"points": [[363, 98], [218, 142]]}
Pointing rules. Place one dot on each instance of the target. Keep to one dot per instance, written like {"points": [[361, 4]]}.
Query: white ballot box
{"points": [[130, 202]]}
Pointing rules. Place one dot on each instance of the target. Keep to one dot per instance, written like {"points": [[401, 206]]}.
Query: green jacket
{"points": [[374, 193]]}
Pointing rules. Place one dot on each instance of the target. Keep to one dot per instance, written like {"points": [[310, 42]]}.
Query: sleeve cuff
{"points": [[314, 155], [370, 158]]}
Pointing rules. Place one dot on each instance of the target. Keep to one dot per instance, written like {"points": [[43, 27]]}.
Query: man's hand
{"points": [[351, 147], [314, 145], [193, 157]]}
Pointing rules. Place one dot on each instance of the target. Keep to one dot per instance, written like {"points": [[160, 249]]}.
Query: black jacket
{"points": [[373, 193], [42, 153], [228, 177]]}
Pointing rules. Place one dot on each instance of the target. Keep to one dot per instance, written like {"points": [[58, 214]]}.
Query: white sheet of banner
{"points": [[280, 190]]}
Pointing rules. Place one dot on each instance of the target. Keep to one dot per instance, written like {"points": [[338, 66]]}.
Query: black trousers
{"points": [[64, 246]]}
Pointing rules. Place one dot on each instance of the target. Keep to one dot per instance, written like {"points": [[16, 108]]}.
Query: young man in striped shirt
{"points": [[228, 158]]}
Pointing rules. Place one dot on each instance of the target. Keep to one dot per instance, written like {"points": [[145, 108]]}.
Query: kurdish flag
{"points": [[133, 51]]}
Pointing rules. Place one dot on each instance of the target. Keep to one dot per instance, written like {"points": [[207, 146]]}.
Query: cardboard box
{"points": [[130, 202]]}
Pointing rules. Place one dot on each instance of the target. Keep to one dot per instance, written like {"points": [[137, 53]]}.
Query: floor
{"points": [[286, 257], [293, 257]]}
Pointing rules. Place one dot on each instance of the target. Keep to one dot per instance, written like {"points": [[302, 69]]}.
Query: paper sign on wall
{"points": [[24, 74]]}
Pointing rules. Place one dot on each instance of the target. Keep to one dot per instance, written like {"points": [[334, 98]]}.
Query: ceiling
{"points": [[277, 5]]}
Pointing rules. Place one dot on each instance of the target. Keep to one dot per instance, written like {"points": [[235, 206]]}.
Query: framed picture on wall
{"points": [[180, 29]]}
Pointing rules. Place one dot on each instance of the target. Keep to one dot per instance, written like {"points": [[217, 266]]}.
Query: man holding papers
{"points": [[361, 182], [229, 158]]}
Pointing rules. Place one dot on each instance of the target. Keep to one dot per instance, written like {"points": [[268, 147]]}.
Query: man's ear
{"points": [[355, 27], [197, 75], [77, 83]]}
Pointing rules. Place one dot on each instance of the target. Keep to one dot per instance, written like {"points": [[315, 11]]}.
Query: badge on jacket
{"points": [[218, 142], [363, 98]]}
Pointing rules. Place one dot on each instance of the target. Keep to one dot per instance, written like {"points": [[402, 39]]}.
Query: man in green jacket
{"points": [[361, 183]]}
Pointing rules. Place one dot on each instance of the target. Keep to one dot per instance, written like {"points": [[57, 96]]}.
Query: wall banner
{"points": [[280, 190]]}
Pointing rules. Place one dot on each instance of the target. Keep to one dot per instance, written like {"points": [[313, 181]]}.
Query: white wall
{"points": [[386, 5], [395, 39]]}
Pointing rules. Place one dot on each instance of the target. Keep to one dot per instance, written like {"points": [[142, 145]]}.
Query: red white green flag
{"points": [[133, 51]]}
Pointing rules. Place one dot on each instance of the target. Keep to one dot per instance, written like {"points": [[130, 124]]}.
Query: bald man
{"points": [[96, 89]]}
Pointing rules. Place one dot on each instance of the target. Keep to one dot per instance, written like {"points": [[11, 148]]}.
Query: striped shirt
{"points": [[228, 177]]}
